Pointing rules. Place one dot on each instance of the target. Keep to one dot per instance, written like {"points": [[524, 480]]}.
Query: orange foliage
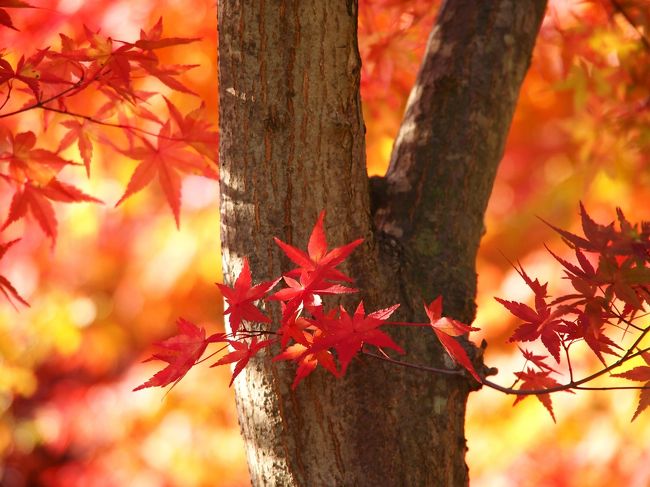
{"points": [[118, 278]]}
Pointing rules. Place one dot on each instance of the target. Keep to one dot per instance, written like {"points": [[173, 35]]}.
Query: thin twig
{"points": [[107, 124], [11, 86], [40, 103], [410, 365], [575, 384]]}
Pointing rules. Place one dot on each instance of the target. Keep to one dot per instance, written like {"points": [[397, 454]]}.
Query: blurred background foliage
{"points": [[117, 279]]}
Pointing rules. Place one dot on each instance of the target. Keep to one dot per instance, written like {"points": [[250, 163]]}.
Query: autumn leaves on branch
{"points": [[608, 297], [62, 83]]}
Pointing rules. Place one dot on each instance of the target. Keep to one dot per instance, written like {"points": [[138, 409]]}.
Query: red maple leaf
{"points": [[168, 160], [78, 131], [538, 288], [586, 271], [632, 241], [181, 352], [27, 163], [6, 287], [589, 327], [317, 255], [167, 74], [28, 198], [112, 66], [307, 291], [347, 334], [624, 279], [538, 360], [537, 380], [640, 374], [307, 362], [36, 199], [5, 19], [242, 295], [28, 72], [597, 236], [65, 193], [540, 323], [582, 278], [445, 329], [153, 38], [196, 131], [62, 70], [292, 327], [242, 354]]}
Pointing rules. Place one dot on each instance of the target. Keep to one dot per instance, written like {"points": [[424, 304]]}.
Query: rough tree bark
{"points": [[292, 143]]}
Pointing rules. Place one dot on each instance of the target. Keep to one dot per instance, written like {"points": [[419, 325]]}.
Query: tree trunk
{"points": [[292, 143]]}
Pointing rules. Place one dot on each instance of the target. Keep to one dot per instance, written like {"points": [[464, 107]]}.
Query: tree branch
{"points": [[452, 138]]}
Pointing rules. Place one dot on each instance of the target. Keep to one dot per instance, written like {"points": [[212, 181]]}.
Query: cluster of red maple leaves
{"points": [[56, 82], [309, 334], [608, 296]]}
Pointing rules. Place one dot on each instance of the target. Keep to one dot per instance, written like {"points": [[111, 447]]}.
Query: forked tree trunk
{"points": [[292, 143]]}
